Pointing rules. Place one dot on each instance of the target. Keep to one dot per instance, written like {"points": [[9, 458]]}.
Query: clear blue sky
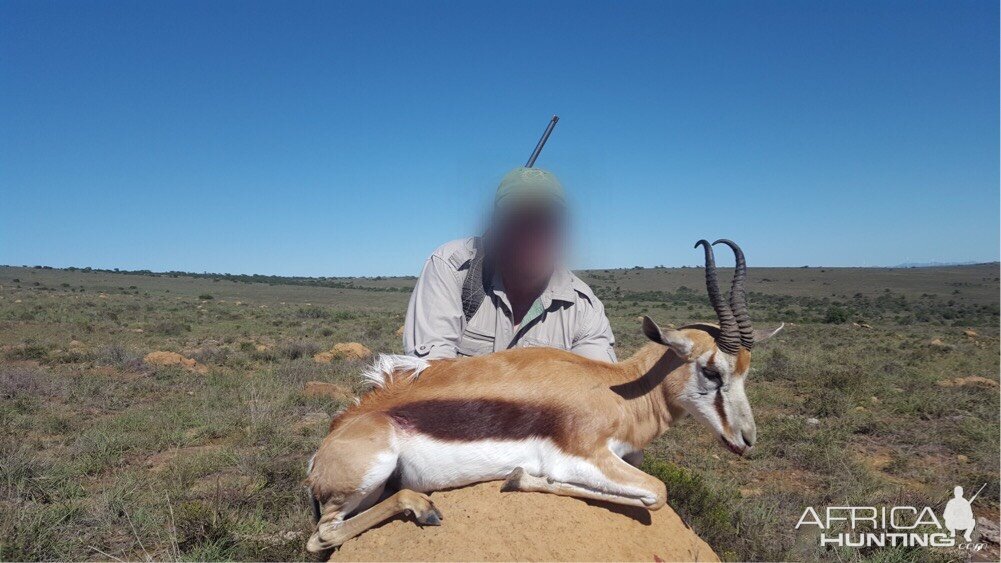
{"points": [[344, 138]]}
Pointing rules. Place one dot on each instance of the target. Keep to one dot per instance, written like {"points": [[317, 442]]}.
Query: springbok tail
{"points": [[384, 368]]}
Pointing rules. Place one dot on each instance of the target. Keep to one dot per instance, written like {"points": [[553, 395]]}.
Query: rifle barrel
{"points": [[542, 141], [978, 493]]}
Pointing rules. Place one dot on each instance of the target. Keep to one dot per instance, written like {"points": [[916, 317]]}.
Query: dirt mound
{"points": [[938, 343], [350, 351], [161, 358], [323, 357], [344, 350], [975, 380], [482, 524]]}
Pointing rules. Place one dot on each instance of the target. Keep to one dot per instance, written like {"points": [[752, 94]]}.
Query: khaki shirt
{"points": [[566, 316]]}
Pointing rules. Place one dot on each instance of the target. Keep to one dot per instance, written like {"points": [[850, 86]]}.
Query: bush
{"points": [[836, 315], [714, 509], [118, 356], [824, 403], [17, 382], [313, 312], [170, 328], [205, 296], [710, 511], [29, 352], [295, 349], [211, 355], [199, 524]]}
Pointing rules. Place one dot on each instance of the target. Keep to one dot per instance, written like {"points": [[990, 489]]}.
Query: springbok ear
{"points": [[761, 335], [671, 338], [651, 330]]}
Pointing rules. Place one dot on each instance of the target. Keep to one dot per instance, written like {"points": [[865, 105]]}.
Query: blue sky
{"points": [[352, 138]]}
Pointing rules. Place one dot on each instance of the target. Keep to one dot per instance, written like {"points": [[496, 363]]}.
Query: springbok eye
{"points": [[713, 376]]}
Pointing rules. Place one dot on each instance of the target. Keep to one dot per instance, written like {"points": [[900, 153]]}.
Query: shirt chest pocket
{"points": [[536, 342], [475, 343]]}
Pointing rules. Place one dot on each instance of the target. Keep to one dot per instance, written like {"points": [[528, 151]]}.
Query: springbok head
{"points": [[717, 358]]}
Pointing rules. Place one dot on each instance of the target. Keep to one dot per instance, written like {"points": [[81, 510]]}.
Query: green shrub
{"points": [[295, 349], [313, 312], [709, 510], [28, 352], [836, 315], [170, 328], [119, 356], [200, 525]]}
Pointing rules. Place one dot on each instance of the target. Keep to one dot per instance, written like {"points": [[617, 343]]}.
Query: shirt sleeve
{"points": [[594, 337], [434, 317]]}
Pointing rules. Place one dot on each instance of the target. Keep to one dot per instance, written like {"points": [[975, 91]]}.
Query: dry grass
{"points": [[106, 457]]}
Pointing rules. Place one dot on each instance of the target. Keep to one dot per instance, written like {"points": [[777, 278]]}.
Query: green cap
{"points": [[529, 185]]}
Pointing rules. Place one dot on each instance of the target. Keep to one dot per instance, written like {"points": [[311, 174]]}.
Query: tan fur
{"points": [[743, 363], [632, 402], [591, 391]]}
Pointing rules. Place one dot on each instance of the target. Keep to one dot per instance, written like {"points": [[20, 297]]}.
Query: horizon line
{"points": [[146, 271]]}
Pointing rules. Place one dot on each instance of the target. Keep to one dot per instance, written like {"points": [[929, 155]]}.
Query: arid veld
{"points": [[171, 416]]}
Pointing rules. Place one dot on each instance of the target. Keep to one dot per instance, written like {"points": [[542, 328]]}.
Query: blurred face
{"points": [[530, 242]]}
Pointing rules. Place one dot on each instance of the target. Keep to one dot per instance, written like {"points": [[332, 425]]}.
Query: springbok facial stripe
{"points": [[721, 411]]}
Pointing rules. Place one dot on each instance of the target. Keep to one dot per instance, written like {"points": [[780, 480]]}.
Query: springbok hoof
{"points": [[430, 518], [513, 481]]}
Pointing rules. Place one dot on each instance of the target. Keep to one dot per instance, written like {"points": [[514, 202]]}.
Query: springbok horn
{"points": [[738, 297], [729, 339]]}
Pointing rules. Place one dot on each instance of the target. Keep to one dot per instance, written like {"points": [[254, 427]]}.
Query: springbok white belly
{"points": [[427, 464]]}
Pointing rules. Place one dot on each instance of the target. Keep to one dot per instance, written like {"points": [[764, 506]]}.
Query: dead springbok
{"points": [[548, 420]]}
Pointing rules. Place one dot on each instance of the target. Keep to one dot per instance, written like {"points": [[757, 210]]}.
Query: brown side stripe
{"points": [[479, 419]]}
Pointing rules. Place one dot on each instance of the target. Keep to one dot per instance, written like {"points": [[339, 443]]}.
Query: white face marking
{"points": [[700, 395], [696, 397], [741, 415]]}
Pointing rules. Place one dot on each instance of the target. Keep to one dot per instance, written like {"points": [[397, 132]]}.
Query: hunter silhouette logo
{"points": [[958, 513], [907, 526]]}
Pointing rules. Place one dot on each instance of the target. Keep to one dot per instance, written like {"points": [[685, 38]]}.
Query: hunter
{"points": [[509, 288]]}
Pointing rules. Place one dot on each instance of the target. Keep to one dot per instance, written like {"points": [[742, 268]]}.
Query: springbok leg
{"points": [[620, 483], [334, 532]]}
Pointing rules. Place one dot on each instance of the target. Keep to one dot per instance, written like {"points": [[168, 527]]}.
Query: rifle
{"points": [[978, 493], [542, 141], [473, 287]]}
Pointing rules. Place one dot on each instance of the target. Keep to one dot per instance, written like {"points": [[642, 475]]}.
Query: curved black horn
{"points": [[729, 339], [738, 297]]}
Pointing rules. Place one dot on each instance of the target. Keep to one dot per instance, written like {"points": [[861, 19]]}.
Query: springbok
{"points": [[546, 419]]}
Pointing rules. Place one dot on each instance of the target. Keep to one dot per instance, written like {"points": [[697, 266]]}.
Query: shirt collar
{"points": [[560, 288]]}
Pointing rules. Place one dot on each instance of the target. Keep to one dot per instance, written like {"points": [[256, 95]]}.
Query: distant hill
{"points": [[941, 264]]}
